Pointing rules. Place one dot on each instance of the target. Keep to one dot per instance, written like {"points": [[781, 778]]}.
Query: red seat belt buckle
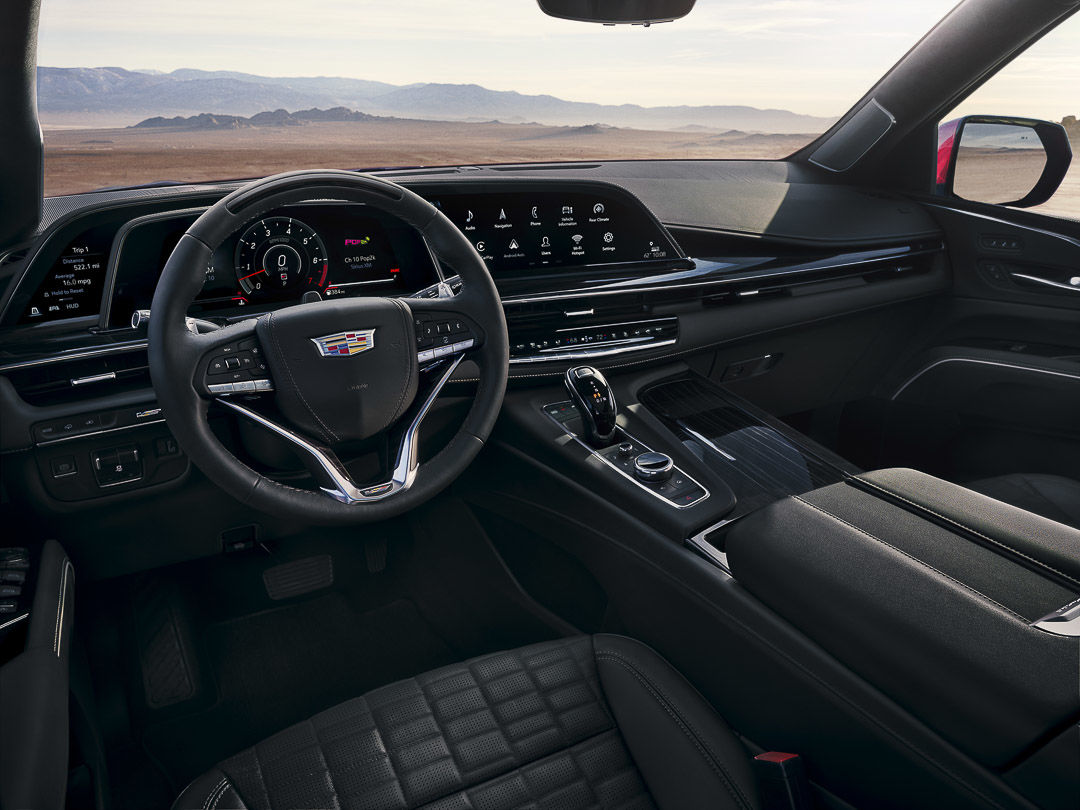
{"points": [[782, 781]]}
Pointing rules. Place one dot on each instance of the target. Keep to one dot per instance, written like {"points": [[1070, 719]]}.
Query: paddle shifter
{"points": [[594, 399]]}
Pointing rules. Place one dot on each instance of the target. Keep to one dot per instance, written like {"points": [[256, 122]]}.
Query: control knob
{"points": [[653, 468]]}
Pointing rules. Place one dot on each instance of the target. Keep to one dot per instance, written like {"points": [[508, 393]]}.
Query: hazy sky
{"points": [[810, 56]]}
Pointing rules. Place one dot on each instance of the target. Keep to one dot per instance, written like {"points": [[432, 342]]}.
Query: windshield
{"points": [[210, 90]]}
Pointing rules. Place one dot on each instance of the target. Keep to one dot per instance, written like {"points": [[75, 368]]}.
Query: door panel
{"points": [[994, 386]]}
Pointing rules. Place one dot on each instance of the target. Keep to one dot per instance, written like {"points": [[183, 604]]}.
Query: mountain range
{"points": [[129, 96]]}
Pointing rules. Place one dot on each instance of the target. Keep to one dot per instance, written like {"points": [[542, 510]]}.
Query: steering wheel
{"points": [[337, 371]]}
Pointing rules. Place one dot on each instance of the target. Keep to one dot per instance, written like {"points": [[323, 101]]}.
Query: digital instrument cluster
{"points": [[335, 250], [526, 232]]}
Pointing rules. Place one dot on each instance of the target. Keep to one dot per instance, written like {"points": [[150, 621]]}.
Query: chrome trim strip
{"points": [[16, 620], [937, 363], [641, 285], [618, 323], [1064, 621], [1005, 222], [62, 439], [707, 549], [78, 354], [110, 375], [708, 443], [343, 490], [68, 569], [631, 478], [1055, 284], [587, 354]]}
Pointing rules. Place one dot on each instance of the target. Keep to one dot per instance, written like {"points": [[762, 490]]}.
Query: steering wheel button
{"points": [[463, 345], [426, 356], [217, 366], [246, 385], [443, 351]]}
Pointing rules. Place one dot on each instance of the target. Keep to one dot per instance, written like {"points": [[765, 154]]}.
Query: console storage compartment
{"points": [[932, 593]]}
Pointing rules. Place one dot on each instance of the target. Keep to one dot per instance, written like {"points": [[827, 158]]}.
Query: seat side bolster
{"points": [[684, 750], [211, 791]]}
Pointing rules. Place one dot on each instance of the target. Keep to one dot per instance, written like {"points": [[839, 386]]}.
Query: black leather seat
{"points": [[1051, 496], [588, 722]]}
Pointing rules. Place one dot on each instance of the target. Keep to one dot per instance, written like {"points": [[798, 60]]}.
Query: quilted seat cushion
{"points": [[537, 727]]}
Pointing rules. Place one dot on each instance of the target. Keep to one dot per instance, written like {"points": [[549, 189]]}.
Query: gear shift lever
{"points": [[594, 399]]}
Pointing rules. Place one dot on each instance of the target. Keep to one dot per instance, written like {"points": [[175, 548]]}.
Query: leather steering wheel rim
{"points": [[174, 351]]}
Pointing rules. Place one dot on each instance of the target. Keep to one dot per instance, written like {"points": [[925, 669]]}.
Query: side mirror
{"points": [[616, 12], [1018, 162]]}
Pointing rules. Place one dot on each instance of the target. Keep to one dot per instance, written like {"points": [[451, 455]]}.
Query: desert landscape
{"points": [[111, 126], [79, 160], [114, 127]]}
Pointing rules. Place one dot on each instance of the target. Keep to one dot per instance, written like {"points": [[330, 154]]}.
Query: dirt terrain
{"points": [[996, 175], [78, 160]]}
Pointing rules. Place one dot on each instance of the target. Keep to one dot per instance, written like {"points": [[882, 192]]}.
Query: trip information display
{"points": [[72, 288], [532, 230]]}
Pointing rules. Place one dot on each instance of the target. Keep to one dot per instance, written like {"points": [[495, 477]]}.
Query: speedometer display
{"points": [[278, 255]]}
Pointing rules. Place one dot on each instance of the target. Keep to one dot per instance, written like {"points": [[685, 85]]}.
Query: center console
{"points": [[962, 609], [590, 418]]}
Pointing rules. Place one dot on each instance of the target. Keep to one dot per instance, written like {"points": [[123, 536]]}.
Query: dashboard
{"points": [[104, 274], [585, 268]]}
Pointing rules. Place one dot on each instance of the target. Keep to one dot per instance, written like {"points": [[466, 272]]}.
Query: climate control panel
{"points": [[539, 345]]}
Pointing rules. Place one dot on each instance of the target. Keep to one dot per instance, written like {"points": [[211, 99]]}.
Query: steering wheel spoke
{"points": [[324, 462]]}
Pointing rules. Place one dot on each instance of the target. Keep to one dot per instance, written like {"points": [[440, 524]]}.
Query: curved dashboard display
{"points": [[532, 232]]}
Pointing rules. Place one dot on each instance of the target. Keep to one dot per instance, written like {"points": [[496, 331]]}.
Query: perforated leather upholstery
{"points": [[590, 722]]}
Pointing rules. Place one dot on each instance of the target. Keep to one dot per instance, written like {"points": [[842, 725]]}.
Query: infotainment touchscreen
{"points": [[531, 230]]}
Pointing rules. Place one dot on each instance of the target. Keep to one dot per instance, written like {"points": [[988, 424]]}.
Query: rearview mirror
{"points": [[1018, 162], [616, 12]]}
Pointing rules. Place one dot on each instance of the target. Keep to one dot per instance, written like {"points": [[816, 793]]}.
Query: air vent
{"points": [[14, 256], [87, 378]]}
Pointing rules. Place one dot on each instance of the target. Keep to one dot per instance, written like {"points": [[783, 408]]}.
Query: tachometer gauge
{"points": [[278, 254]]}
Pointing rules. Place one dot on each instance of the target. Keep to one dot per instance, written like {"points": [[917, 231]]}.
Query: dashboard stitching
{"points": [[914, 559], [407, 318], [964, 526]]}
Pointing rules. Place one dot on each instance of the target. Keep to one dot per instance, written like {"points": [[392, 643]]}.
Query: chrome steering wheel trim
{"points": [[343, 489]]}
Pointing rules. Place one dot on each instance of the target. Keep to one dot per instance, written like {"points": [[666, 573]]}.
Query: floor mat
{"points": [[281, 666]]}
